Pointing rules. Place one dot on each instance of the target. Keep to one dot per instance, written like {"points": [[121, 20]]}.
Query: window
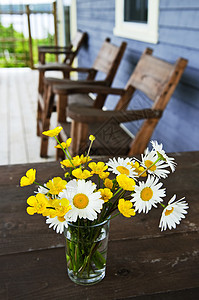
{"points": [[137, 19]]}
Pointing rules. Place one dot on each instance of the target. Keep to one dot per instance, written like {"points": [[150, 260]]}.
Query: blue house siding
{"points": [[178, 129]]}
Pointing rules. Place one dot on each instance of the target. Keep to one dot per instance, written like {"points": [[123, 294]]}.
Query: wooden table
{"points": [[143, 263]]}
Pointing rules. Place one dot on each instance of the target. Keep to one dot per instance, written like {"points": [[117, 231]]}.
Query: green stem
{"points": [[149, 166], [114, 216], [41, 185], [113, 207], [67, 155], [117, 192], [89, 148]]}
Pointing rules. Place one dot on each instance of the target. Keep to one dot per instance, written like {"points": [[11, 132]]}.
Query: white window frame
{"points": [[137, 31]]}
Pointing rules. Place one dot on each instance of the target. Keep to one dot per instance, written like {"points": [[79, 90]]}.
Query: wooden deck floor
{"points": [[18, 103]]}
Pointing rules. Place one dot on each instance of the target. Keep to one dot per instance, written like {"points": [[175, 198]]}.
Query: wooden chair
{"points": [[155, 78], [69, 52], [106, 62]]}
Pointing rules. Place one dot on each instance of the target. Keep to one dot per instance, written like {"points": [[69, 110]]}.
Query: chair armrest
{"points": [[58, 81], [85, 89], [92, 115], [62, 67], [55, 49]]}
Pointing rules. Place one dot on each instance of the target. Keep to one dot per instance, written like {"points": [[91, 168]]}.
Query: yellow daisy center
{"points": [[61, 219], [80, 201], [148, 163], [146, 194], [123, 170], [169, 211]]}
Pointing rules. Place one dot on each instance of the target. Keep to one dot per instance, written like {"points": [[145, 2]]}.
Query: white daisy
{"points": [[58, 223], [121, 166], [169, 160], [147, 194], [84, 201], [173, 213], [159, 169]]}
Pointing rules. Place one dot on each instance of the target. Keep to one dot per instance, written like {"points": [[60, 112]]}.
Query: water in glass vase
{"points": [[86, 252]]}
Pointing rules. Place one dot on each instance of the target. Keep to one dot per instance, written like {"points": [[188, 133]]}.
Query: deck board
{"points": [[4, 120], [18, 105]]}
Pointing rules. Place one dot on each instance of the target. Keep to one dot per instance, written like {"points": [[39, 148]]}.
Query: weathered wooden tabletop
{"points": [[143, 263]]}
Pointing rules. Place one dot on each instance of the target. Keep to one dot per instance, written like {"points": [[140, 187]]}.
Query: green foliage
{"points": [[14, 47]]}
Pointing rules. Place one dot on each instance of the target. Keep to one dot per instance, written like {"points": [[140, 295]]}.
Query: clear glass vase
{"points": [[86, 252]]}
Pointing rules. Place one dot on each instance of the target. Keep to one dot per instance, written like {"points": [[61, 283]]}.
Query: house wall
{"points": [[178, 129]]}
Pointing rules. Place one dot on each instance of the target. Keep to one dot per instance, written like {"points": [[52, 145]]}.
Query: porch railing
{"points": [[19, 48]]}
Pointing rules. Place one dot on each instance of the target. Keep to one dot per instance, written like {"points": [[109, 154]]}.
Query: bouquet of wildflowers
{"points": [[90, 193]]}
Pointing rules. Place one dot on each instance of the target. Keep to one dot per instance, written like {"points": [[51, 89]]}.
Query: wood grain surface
{"points": [[143, 263]]}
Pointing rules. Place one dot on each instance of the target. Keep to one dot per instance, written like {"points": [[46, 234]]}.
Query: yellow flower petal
{"points": [[24, 181], [98, 168], [126, 183], [66, 163], [31, 210], [106, 194], [53, 132], [31, 200], [125, 208], [56, 185], [29, 178], [68, 142], [65, 202], [63, 145], [108, 183], [104, 175], [79, 174], [84, 159]]}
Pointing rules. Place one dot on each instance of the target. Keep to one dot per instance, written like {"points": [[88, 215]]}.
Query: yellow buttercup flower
{"points": [[80, 160], [138, 169], [62, 208], [104, 175], [53, 132], [56, 185], [37, 204], [50, 210], [79, 174], [85, 159], [29, 178], [106, 194], [66, 163], [64, 144], [97, 168], [128, 184], [68, 142], [125, 208], [91, 138], [75, 162], [108, 183]]}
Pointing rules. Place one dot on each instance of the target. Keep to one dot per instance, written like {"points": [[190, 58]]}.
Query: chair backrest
{"points": [[107, 62], [108, 59], [157, 79], [75, 46]]}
